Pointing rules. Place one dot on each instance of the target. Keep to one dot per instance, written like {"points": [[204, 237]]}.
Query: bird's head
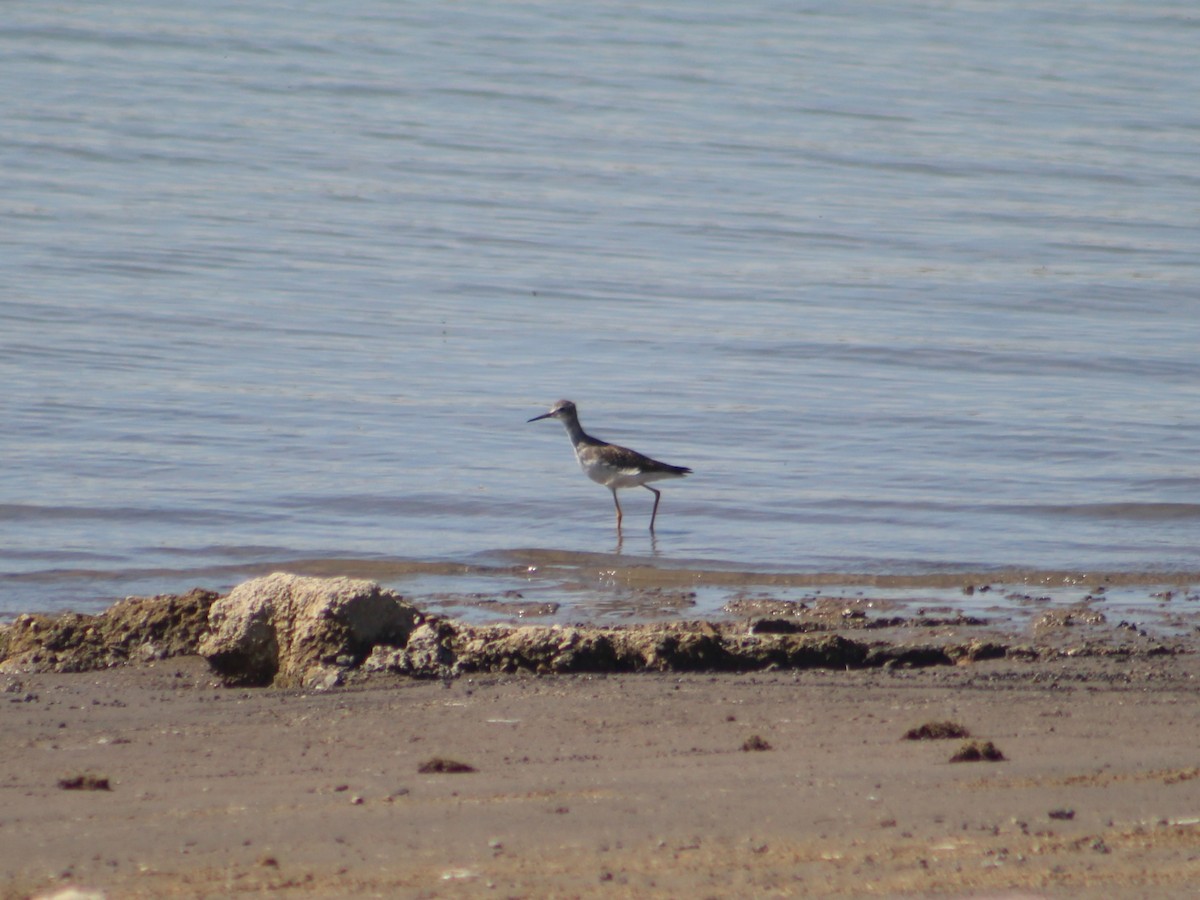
{"points": [[563, 409]]}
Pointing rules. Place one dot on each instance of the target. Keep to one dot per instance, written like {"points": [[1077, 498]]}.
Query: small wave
{"points": [[33, 513], [1137, 512]]}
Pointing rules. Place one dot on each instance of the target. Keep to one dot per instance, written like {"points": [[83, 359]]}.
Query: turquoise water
{"points": [[913, 288]]}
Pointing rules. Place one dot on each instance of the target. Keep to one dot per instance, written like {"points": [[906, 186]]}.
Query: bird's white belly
{"points": [[612, 476]]}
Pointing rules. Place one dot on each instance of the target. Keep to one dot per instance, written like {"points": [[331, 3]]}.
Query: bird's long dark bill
{"points": [[542, 416]]}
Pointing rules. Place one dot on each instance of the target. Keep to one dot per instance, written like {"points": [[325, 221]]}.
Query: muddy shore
{"points": [[776, 776]]}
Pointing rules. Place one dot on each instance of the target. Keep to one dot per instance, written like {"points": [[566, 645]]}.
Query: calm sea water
{"points": [[913, 287]]}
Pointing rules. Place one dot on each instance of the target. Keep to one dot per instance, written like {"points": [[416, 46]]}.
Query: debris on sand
{"points": [[441, 766], [755, 742], [978, 751], [936, 731], [84, 782]]}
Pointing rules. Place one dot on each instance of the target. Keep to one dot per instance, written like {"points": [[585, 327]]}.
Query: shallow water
{"points": [[911, 289]]}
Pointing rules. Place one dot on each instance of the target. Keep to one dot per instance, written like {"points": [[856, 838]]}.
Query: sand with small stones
{"points": [[758, 784]]}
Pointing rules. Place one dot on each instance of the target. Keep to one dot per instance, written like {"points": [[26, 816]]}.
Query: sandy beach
{"points": [[154, 780]]}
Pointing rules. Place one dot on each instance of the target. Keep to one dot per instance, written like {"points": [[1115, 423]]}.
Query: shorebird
{"points": [[612, 466]]}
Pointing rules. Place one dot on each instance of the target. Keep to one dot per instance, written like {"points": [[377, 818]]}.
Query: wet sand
{"points": [[607, 785]]}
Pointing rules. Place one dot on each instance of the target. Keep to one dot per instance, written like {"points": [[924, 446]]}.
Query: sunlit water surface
{"points": [[913, 289]]}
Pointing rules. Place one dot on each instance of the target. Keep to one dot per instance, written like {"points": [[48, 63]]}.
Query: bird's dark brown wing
{"points": [[625, 458]]}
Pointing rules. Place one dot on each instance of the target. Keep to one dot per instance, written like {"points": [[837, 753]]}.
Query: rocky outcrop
{"points": [[446, 648], [137, 629], [443, 648], [293, 631]]}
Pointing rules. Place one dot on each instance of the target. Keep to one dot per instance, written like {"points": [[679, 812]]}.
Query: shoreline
{"points": [[755, 631], [562, 577]]}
